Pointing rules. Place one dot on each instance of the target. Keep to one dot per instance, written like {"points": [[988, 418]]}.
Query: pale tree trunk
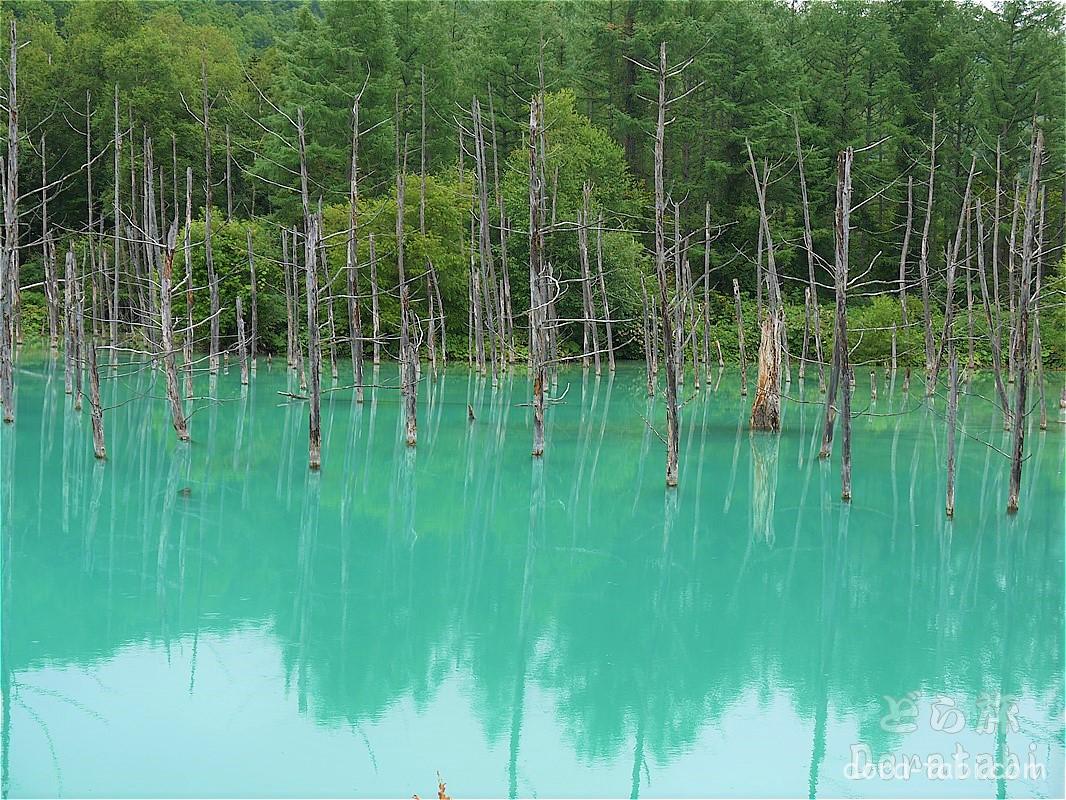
{"points": [[242, 344], [840, 275], [538, 299], [923, 263], [953, 408], [740, 340], [669, 357], [9, 255], [590, 339], [904, 251], [209, 258], [952, 267], [314, 355], [254, 297], [993, 324], [355, 319], [408, 348], [1018, 434], [707, 293], [117, 211], [375, 316], [808, 244], [508, 307], [48, 258], [188, 343], [648, 329], [603, 293], [97, 411], [166, 318]]}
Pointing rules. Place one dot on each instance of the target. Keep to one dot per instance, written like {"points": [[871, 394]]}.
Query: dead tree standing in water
{"points": [[355, 319], [97, 411], [953, 407], [740, 340], [766, 408], [538, 289], [840, 364], [242, 344], [1018, 433], [408, 349], [166, 318]]}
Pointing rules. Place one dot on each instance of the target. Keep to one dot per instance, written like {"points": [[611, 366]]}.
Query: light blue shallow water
{"points": [[213, 619]]}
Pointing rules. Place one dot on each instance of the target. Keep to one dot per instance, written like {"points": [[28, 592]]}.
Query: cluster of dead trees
{"points": [[118, 295]]}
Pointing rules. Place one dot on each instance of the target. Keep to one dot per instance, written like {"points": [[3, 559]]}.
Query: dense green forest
{"points": [[833, 75]]}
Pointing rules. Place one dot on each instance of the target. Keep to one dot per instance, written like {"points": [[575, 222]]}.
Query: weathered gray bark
{"points": [[923, 263], [1018, 434], [993, 323], [904, 251], [48, 257], [845, 433], [188, 343], [808, 244], [670, 358], [229, 182], [590, 337], [603, 293], [375, 317], [355, 319], [254, 299], [209, 257], [953, 408], [706, 320], [538, 299], [117, 213], [96, 410], [166, 319], [648, 331], [242, 344], [952, 268], [508, 308], [840, 368], [740, 340], [408, 348], [9, 283], [314, 354]]}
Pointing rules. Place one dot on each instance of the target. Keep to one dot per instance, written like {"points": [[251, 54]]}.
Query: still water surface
{"points": [[213, 619]]}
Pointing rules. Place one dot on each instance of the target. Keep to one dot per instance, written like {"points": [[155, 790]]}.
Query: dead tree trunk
{"points": [[9, 282], [1018, 434], [840, 276], [648, 330], [209, 258], [242, 344], [923, 263], [591, 337], [740, 340], [993, 324], [669, 357], [68, 321], [808, 244], [538, 299], [355, 319], [408, 349], [766, 408], [96, 409], [375, 316], [953, 408], [707, 293], [508, 307], [845, 431], [603, 293], [48, 258], [314, 354], [188, 343], [904, 251], [117, 210], [166, 319], [254, 334]]}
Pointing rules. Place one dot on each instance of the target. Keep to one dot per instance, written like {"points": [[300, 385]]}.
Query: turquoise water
{"points": [[213, 619]]}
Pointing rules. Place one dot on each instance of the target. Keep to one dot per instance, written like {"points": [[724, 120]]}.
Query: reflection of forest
{"points": [[641, 615]]}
